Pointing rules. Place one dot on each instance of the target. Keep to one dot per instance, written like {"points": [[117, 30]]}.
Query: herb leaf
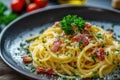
{"points": [[5, 19], [80, 43], [93, 57], [72, 20], [107, 53], [99, 36]]}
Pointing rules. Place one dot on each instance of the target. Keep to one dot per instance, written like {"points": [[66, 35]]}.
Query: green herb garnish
{"points": [[118, 36], [107, 53], [113, 63], [41, 31], [95, 77], [80, 43], [8, 18], [22, 45], [64, 78], [26, 50], [16, 54], [115, 76], [5, 15], [57, 54], [94, 72], [76, 75], [18, 49], [26, 64], [69, 54], [99, 36], [3, 8], [117, 50], [43, 40], [110, 30], [93, 57], [102, 26], [33, 69], [113, 25], [69, 21]]}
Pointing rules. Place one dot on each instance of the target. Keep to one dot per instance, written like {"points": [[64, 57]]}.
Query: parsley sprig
{"points": [[72, 20], [6, 16]]}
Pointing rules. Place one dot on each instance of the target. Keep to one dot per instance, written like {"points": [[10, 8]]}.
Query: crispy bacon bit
{"points": [[40, 70], [56, 45], [100, 54], [90, 50], [81, 38], [27, 59], [85, 32], [50, 71], [57, 24], [71, 36], [85, 41], [78, 37], [90, 36], [45, 70], [87, 25]]}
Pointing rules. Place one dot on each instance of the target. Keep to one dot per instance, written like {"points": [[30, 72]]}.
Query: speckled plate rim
{"points": [[40, 11]]}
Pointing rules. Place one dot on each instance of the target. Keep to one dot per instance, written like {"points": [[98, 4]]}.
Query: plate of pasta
{"points": [[64, 43]]}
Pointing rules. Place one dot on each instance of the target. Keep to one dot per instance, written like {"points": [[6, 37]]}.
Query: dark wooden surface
{"points": [[7, 73]]}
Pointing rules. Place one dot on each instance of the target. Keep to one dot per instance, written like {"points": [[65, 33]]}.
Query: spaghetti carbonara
{"points": [[91, 52]]}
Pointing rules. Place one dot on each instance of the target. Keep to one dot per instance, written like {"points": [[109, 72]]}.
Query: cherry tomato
{"points": [[17, 5], [41, 3], [32, 7]]}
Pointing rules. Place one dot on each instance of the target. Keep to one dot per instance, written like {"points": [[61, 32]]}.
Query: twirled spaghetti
{"points": [[92, 52]]}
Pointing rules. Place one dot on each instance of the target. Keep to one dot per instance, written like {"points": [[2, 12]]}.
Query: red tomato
{"points": [[100, 54], [17, 5], [32, 7], [41, 3]]}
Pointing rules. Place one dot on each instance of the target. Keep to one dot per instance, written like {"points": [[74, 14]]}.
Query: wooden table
{"points": [[7, 73]]}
